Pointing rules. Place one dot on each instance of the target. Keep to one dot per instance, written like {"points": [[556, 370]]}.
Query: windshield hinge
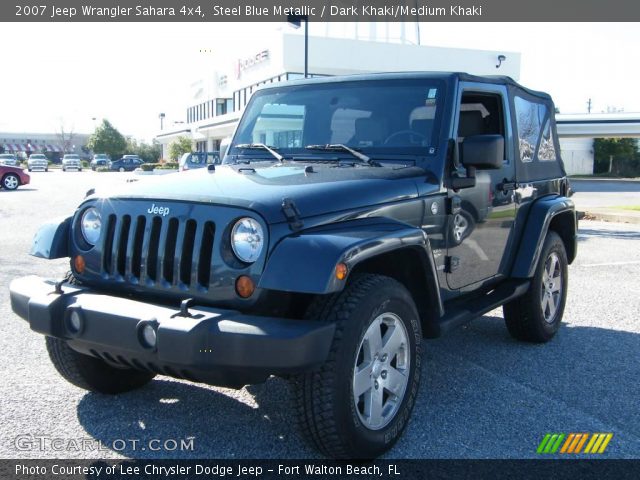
{"points": [[292, 214]]}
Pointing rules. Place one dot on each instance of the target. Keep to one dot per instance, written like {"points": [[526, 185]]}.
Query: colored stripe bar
{"points": [[543, 443], [581, 443], [605, 443], [555, 447], [575, 442], [567, 443], [550, 443], [596, 445], [594, 437]]}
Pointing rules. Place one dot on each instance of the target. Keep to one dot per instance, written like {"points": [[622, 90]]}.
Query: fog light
{"points": [[341, 271], [75, 322], [149, 335], [245, 286], [78, 263]]}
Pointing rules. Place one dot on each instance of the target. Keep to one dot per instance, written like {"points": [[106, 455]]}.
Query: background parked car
{"points": [[99, 160], [12, 177], [71, 161], [127, 163], [8, 159], [192, 160], [38, 161]]}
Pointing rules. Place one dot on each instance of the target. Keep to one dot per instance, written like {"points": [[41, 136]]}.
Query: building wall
{"points": [[577, 155], [23, 143]]}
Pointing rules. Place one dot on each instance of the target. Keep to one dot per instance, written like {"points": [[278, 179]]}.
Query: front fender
{"points": [[305, 263], [539, 218], [52, 239]]}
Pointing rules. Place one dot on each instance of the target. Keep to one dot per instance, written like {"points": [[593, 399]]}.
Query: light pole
{"points": [[161, 116], [295, 21]]}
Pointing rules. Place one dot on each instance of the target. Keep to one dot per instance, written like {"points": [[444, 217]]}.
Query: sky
{"points": [[73, 75]]}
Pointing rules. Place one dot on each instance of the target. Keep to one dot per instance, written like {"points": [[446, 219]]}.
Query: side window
{"points": [[547, 149], [534, 131], [481, 114]]}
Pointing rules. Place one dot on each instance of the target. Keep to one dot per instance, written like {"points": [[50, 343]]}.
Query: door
{"points": [[482, 217]]}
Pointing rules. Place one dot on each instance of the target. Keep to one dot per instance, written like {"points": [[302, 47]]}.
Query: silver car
{"points": [[38, 161], [71, 161], [8, 159]]}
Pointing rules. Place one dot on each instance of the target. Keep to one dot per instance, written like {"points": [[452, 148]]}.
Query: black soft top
{"points": [[446, 76]]}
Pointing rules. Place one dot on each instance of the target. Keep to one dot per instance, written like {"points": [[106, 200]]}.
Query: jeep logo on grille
{"points": [[157, 210]]}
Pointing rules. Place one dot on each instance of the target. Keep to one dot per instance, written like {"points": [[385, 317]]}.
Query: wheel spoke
{"points": [[373, 406], [395, 381], [545, 305], [373, 341], [557, 285], [552, 307], [362, 381], [392, 341]]}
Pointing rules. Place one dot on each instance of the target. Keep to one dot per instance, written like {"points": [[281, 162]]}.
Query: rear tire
{"points": [[536, 316], [93, 374], [358, 403]]}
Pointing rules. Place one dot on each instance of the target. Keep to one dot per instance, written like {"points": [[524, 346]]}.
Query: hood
{"points": [[329, 188]]}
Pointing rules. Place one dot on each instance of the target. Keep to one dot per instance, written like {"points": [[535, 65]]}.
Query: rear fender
{"points": [[552, 212]]}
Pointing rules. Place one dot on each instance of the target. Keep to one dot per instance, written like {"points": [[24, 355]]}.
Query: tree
{"points": [[179, 146], [616, 155], [66, 138], [107, 139], [148, 153]]}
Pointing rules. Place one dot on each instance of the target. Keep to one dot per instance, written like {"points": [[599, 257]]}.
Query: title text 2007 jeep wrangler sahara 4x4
{"points": [[351, 217]]}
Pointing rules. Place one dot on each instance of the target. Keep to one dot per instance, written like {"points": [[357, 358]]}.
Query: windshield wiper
{"points": [[342, 148], [261, 146]]}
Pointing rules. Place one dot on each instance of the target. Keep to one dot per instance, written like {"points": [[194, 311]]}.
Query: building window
{"points": [[221, 106]]}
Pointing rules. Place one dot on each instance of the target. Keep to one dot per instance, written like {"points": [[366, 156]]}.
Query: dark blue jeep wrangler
{"points": [[351, 217]]}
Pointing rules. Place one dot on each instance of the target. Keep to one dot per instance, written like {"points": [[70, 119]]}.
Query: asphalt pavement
{"points": [[483, 395]]}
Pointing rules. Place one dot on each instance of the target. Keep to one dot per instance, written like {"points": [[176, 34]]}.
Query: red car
{"points": [[13, 177]]}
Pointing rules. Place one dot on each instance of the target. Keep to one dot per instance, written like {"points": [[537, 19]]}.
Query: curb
{"points": [[610, 216]]}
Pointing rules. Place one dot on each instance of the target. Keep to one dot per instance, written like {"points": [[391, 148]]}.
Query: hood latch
{"points": [[292, 214]]}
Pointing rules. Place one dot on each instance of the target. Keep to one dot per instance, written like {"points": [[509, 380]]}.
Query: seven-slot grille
{"points": [[158, 251]]}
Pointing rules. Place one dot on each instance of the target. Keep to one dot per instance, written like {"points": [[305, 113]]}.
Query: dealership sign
{"points": [[250, 62]]}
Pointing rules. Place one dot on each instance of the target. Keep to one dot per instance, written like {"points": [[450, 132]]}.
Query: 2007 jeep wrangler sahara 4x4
{"points": [[351, 218]]}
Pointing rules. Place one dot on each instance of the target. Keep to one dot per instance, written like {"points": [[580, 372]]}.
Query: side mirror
{"points": [[483, 151]]}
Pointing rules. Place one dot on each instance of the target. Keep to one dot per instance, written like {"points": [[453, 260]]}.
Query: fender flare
{"points": [[539, 218], [52, 239], [305, 262]]}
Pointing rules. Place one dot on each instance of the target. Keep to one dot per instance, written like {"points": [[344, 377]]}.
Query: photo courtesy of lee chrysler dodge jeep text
{"points": [[351, 217]]}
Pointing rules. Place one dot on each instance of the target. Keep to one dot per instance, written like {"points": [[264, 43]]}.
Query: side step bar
{"points": [[461, 311]]}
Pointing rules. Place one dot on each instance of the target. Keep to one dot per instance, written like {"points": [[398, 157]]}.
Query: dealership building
{"points": [[54, 145], [217, 100]]}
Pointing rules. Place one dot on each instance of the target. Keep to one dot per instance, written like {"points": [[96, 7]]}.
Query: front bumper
{"points": [[215, 346]]}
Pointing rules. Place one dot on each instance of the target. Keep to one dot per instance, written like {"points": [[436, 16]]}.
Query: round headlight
{"points": [[247, 239], [91, 224]]}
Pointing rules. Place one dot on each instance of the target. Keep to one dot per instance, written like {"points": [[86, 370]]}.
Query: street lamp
{"points": [[161, 116], [295, 20]]}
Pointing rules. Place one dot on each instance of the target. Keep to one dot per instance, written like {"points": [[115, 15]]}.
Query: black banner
{"points": [[320, 10], [320, 469]]}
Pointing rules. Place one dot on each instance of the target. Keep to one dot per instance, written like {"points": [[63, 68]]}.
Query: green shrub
{"points": [[169, 166], [148, 167]]}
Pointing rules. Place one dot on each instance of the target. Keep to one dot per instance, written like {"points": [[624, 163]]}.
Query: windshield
{"points": [[378, 117], [71, 157], [8, 157], [99, 156], [38, 157]]}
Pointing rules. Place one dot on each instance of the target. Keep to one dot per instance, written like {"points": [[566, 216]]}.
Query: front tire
{"points": [[359, 402], [10, 181], [536, 316], [93, 374]]}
